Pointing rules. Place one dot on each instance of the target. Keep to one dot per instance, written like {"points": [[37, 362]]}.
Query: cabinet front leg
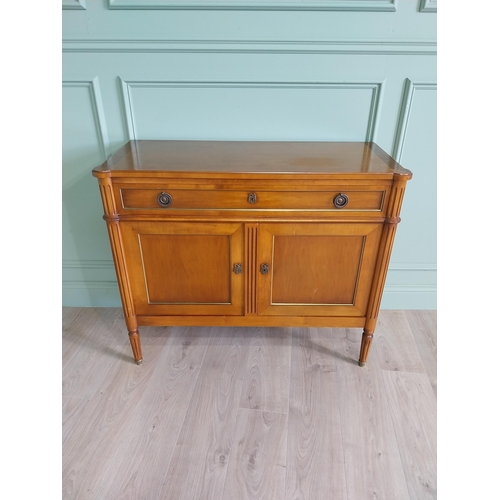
{"points": [[135, 342], [366, 342]]}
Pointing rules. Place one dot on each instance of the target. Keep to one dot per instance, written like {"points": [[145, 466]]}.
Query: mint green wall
{"points": [[256, 70]]}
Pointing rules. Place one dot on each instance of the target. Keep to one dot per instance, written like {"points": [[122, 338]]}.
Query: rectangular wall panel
{"points": [[84, 143], [251, 111], [73, 4], [416, 149], [326, 5]]}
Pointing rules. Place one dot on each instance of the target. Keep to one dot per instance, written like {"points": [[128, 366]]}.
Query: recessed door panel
{"points": [[178, 268], [186, 268], [316, 269]]}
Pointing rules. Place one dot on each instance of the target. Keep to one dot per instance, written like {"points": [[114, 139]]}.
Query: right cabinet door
{"points": [[316, 269]]}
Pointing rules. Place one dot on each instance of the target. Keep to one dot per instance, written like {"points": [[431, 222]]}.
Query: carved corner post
{"points": [[113, 225], [389, 232]]}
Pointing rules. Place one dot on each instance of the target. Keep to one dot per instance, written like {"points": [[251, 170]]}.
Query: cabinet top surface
{"points": [[237, 157]]}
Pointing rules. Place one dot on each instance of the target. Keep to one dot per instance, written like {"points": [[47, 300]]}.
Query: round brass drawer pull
{"points": [[341, 200], [164, 199]]}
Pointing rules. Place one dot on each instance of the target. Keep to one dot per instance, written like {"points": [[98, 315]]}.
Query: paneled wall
{"points": [[318, 70]]}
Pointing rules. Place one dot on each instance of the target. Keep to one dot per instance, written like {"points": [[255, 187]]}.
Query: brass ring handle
{"points": [[341, 200], [164, 199], [237, 268], [264, 268]]}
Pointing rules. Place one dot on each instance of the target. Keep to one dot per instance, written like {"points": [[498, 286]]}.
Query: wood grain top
{"points": [[237, 157]]}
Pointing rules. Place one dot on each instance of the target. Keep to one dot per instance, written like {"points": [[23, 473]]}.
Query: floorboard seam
{"points": [[394, 431], [231, 451], [186, 412], [335, 360]]}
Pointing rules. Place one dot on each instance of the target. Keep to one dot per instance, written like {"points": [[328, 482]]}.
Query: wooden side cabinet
{"points": [[251, 233]]}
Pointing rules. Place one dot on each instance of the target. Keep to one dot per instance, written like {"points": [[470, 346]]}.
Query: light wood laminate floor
{"points": [[248, 413]]}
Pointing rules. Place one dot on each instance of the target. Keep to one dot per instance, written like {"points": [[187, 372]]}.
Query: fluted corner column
{"points": [[386, 242]]}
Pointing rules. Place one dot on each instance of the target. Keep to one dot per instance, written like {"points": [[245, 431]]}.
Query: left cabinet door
{"points": [[178, 268]]}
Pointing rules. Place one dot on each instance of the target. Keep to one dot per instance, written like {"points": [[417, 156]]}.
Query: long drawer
{"points": [[159, 199]]}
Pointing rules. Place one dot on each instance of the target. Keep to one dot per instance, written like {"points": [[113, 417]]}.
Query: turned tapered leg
{"points": [[366, 342], [135, 342]]}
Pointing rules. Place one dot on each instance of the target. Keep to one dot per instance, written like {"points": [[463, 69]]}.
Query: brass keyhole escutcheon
{"points": [[264, 268], [237, 268], [252, 198]]}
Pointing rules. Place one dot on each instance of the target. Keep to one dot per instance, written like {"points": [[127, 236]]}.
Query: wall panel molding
{"points": [[360, 47], [97, 109], [428, 6], [74, 5], [373, 118], [88, 264], [333, 5], [417, 297], [109, 266], [89, 284], [404, 115]]}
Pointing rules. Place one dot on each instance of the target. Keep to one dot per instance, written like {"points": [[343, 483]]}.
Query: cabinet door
{"points": [[316, 269], [178, 268]]}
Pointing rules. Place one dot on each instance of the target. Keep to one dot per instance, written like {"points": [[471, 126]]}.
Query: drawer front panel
{"points": [[186, 199]]}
